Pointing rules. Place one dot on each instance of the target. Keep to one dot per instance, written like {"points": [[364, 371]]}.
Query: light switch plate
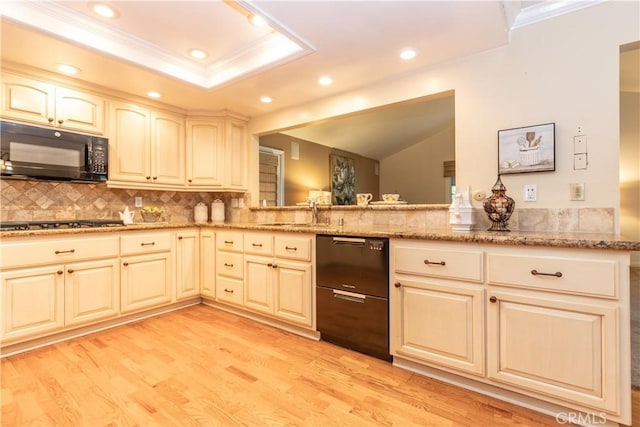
{"points": [[580, 161]]}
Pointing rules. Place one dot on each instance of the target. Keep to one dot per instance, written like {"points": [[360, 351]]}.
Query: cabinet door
{"points": [[208, 263], [27, 99], [146, 281], [167, 149], [129, 144], [293, 286], [236, 155], [91, 291], [32, 301], [441, 323], [561, 347], [205, 154], [187, 264], [79, 111], [258, 289]]}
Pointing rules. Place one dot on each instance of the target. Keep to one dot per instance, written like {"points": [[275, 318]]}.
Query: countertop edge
{"points": [[512, 238]]}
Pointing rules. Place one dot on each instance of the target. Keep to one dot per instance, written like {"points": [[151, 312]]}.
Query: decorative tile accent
{"points": [[22, 200]]}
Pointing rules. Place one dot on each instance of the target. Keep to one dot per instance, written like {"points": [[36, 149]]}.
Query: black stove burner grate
{"points": [[44, 225]]}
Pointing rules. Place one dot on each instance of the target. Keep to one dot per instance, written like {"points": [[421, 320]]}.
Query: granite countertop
{"points": [[514, 238]]}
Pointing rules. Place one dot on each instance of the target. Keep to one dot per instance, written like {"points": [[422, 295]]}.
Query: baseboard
{"points": [[43, 341]]}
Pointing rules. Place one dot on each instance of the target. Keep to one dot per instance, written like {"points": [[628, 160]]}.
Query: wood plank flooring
{"points": [[203, 367]]}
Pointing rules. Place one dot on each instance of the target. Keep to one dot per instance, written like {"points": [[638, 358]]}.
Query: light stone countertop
{"points": [[513, 238]]}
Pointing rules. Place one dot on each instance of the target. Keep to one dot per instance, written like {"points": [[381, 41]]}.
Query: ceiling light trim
{"points": [[63, 22], [546, 10]]}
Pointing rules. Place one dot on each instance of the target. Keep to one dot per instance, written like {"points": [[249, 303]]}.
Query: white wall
{"points": [[416, 173], [564, 70]]}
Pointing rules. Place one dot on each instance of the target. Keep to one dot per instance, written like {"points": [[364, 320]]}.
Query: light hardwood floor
{"points": [[202, 366]]}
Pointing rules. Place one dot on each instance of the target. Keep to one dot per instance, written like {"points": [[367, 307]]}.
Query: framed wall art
{"points": [[343, 180], [527, 149]]}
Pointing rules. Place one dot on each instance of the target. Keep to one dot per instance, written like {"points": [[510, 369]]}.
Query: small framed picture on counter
{"points": [[527, 149]]}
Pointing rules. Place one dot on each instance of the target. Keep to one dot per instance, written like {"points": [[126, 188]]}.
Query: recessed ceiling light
{"points": [[257, 20], [407, 54], [103, 10], [153, 94], [67, 69], [198, 54], [266, 99], [325, 80]]}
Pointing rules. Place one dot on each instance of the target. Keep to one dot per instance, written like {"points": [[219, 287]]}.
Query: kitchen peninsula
{"points": [[486, 281]]}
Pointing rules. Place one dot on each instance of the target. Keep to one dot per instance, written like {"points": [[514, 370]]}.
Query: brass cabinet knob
{"points": [[493, 299], [397, 284]]}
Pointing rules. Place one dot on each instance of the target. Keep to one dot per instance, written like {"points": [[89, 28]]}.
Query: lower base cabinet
{"points": [[92, 291], [146, 281], [278, 288], [32, 302], [567, 349], [550, 324], [440, 323]]}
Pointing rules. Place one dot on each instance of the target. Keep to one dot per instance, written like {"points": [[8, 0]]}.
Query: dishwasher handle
{"points": [[349, 296], [349, 241]]}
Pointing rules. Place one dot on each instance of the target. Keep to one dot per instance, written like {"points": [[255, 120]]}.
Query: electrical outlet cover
{"points": [[530, 193]]}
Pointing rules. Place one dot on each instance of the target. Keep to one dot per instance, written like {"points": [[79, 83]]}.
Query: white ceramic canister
{"points": [[200, 213], [217, 211]]}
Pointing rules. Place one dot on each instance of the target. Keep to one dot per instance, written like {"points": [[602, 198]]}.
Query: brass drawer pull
{"points": [[70, 251], [537, 273], [427, 262], [228, 265], [228, 242], [229, 291], [291, 248], [148, 244], [256, 245]]}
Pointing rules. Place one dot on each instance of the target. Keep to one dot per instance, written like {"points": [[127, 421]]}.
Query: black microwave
{"points": [[46, 153]]}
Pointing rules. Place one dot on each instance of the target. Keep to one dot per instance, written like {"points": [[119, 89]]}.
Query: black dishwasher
{"points": [[352, 293]]}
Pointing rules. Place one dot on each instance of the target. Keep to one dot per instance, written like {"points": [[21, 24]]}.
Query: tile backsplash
{"points": [[22, 200]]}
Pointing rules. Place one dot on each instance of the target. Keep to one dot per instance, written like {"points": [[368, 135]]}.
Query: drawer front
{"points": [[61, 250], [561, 274], [229, 290], [258, 244], [145, 243], [229, 265], [229, 241], [293, 247], [444, 263]]}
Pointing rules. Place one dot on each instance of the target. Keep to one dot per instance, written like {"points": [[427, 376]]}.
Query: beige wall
{"points": [[311, 170], [546, 74], [416, 173]]}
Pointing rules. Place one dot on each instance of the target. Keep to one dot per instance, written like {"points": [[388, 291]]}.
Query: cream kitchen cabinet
{"points": [[236, 154], [437, 305], [147, 276], [147, 148], [205, 154], [549, 327], [217, 153], [187, 264], [557, 326], [278, 277], [208, 263], [52, 284], [229, 267], [39, 102]]}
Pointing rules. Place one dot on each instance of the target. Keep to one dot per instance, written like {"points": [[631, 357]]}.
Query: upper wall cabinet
{"points": [[29, 100], [205, 153], [146, 148], [217, 150]]}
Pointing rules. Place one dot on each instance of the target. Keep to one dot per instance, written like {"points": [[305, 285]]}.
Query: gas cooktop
{"points": [[74, 223]]}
